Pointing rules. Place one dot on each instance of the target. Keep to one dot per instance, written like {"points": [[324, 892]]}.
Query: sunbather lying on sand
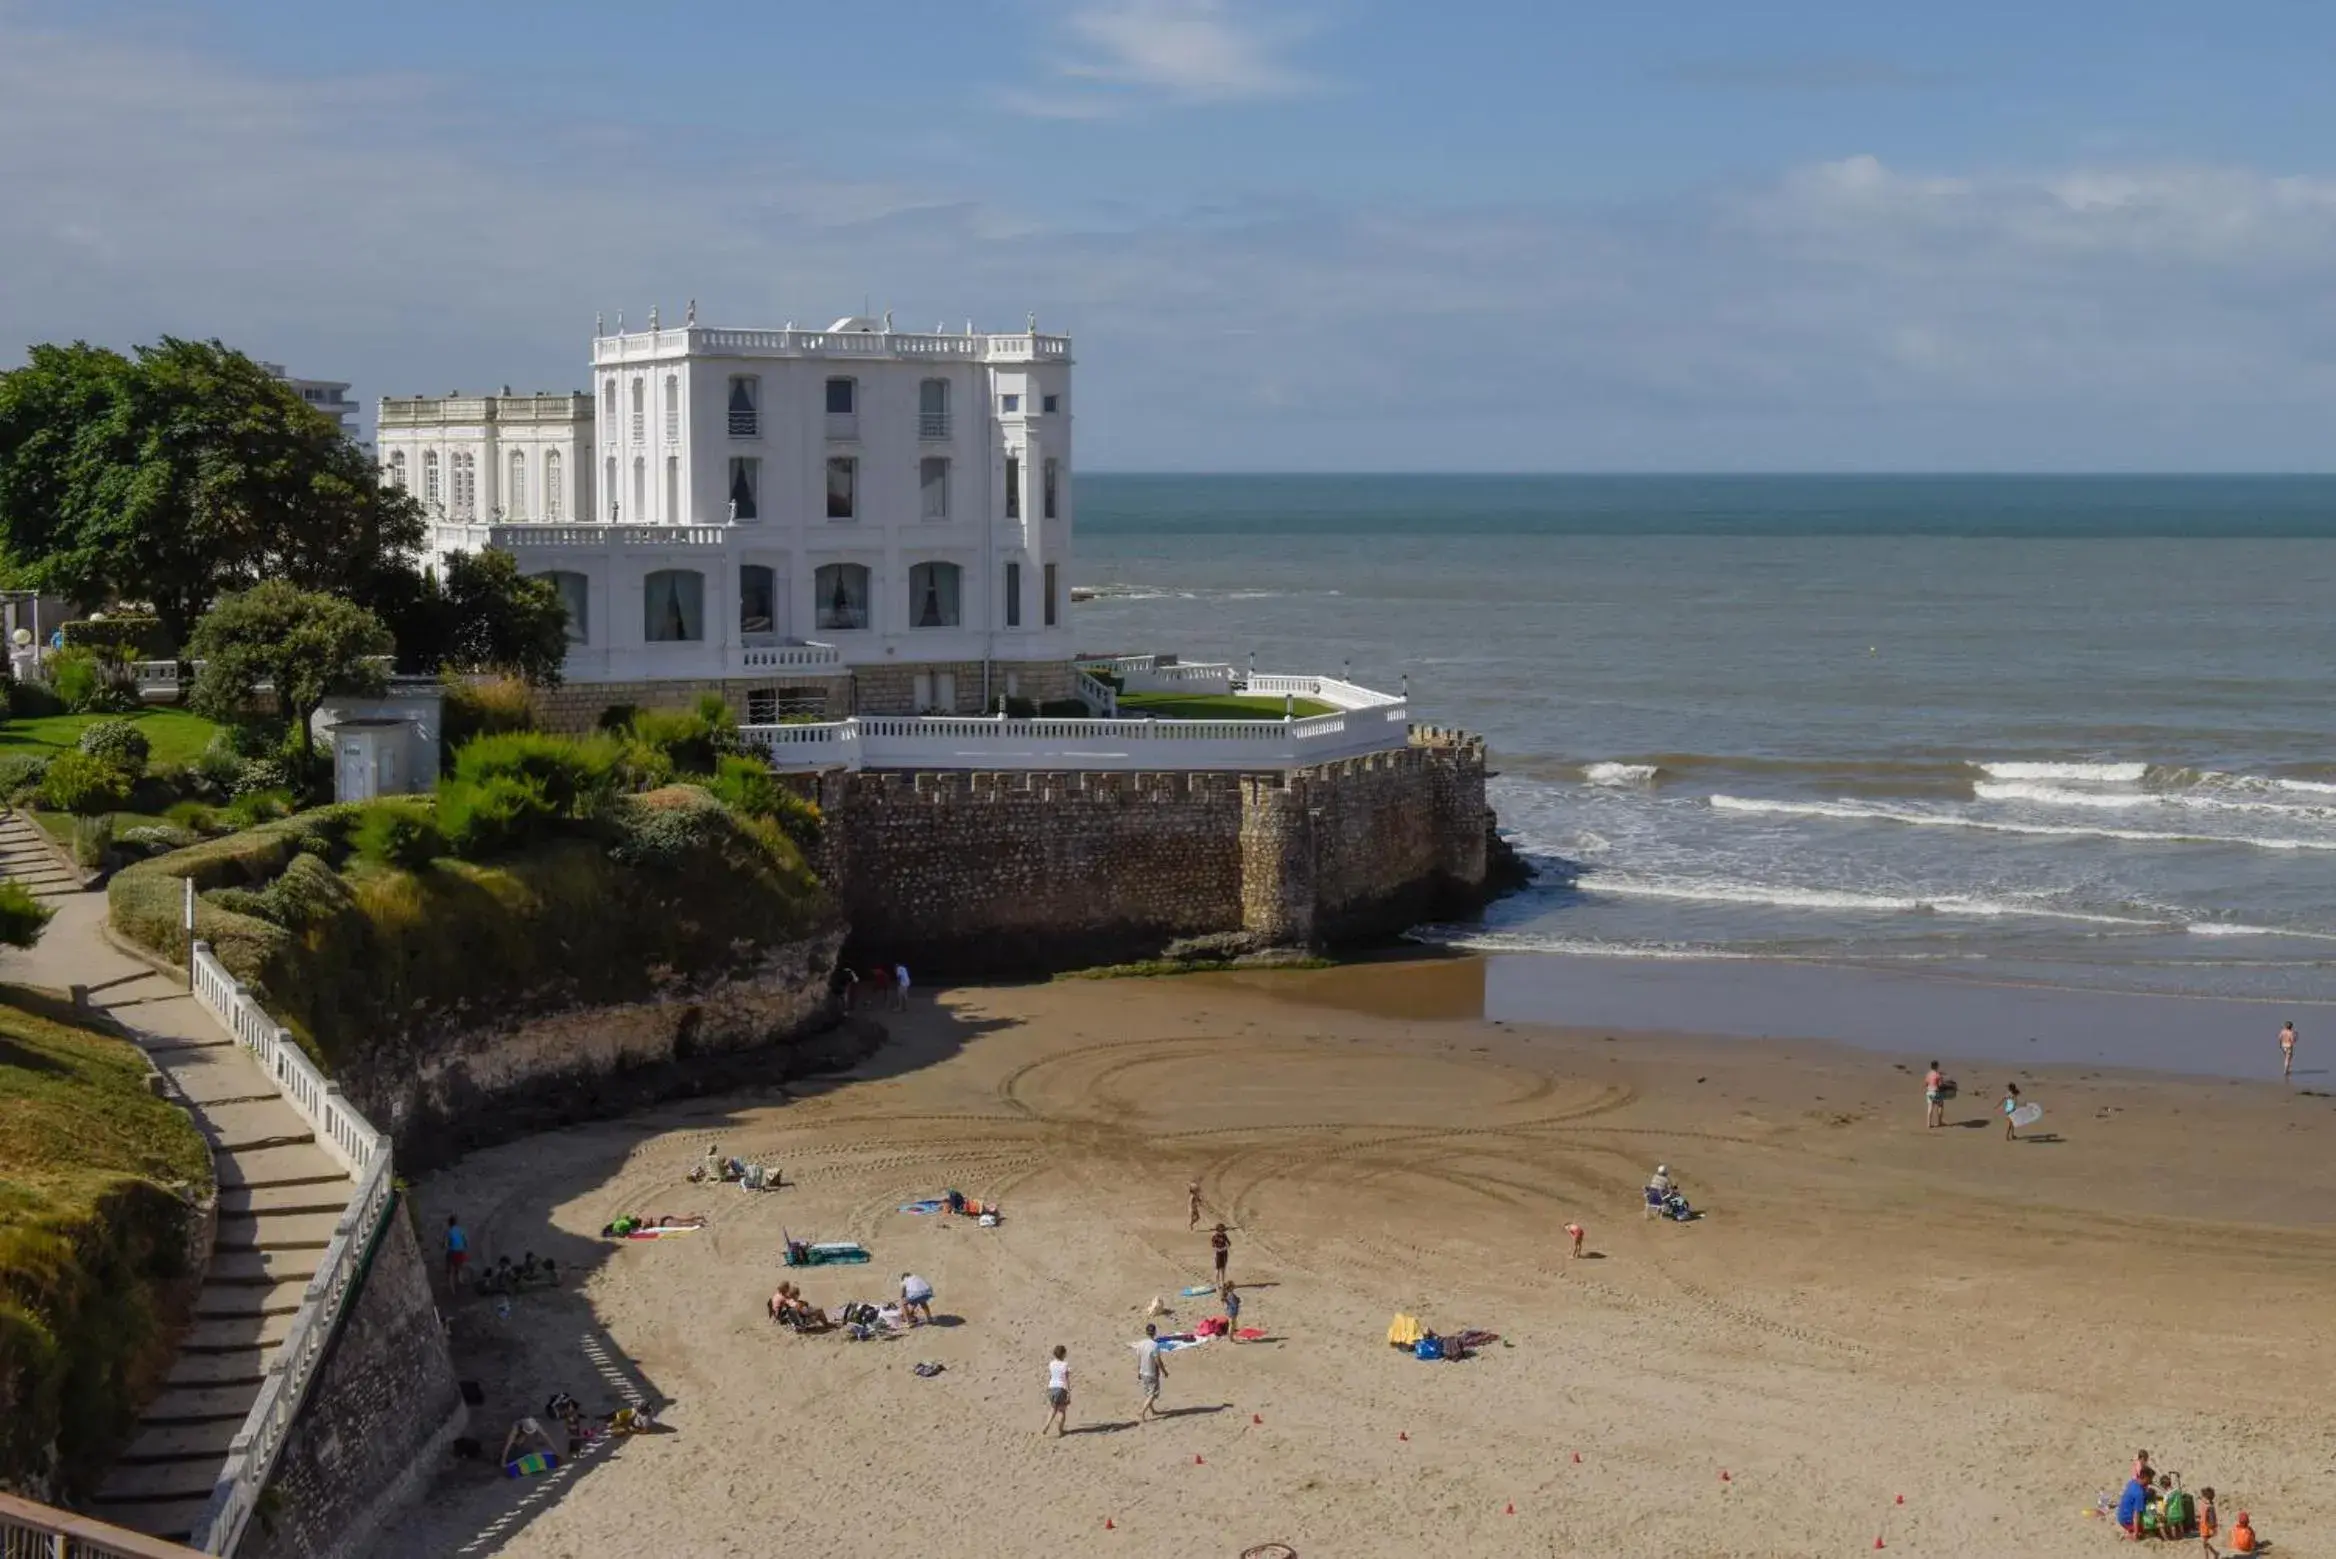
{"points": [[633, 1223]]}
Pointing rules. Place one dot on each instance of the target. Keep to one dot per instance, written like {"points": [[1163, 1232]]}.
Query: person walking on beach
{"points": [[2011, 1105], [1222, 1244], [1934, 1096], [1232, 1299], [1192, 1194], [1150, 1369], [1058, 1394], [900, 987], [457, 1253], [1573, 1232], [2287, 1051]]}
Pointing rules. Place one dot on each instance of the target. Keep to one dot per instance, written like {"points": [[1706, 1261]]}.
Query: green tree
{"points": [[303, 644], [182, 474], [485, 617]]}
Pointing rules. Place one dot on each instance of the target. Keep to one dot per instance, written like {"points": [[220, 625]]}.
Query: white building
{"points": [[330, 396], [882, 518], [491, 457]]}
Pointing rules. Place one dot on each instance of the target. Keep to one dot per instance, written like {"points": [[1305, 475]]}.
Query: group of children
{"points": [[880, 987], [2155, 1505]]}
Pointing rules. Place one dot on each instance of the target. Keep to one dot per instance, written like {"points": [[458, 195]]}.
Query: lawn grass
{"points": [[1218, 706], [97, 1183], [60, 824], [173, 735]]}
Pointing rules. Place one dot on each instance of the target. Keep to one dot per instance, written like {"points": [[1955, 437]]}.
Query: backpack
{"points": [[1428, 1348]]}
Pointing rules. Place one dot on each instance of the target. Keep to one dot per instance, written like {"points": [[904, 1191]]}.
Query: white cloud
{"points": [[1850, 314], [1181, 51]]}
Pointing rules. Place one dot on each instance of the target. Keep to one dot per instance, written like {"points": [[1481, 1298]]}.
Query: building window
{"points": [[672, 408], [574, 592], [608, 485], [762, 706], [842, 397], [515, 488], [673, 514], [757, 599], [1009, 404], [745, 406], [1047, 473], [397, 470], [430, 476], [673, 606], [1013, 595], [640, 411], [551, 484], [933, 484], [932, 593], [933, 409], [608, 406], [843, 480], [1050, 404], [640, 490], [1013, 487], [841, 591], [1049, 595], [466, 485], [745, 488]]}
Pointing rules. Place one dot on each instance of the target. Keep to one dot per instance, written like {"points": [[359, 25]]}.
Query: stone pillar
{"points": [[1277, 861]]}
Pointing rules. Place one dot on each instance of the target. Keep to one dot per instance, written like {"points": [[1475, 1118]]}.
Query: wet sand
{"points": [[1868, 1309]]}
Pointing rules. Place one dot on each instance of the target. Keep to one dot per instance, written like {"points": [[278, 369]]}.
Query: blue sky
{"points": [[1288, 234]]}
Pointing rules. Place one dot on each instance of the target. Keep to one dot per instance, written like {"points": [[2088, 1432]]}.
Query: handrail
{"points": [[29, 1530], [1101, 699], [348, 1137]]}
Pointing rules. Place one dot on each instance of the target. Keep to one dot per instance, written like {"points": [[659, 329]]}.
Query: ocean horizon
{"points": [[2060, 731]]}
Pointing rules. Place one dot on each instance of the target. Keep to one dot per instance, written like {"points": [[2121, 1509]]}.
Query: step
{"points": [[305, 1164], [232, 1334], [240, 1366], [307, 1197], [156, 1482], [269, 1123], [277, 1231], [181, 1443], [199, 1404], [221, 1074], [260, 1268], [232, 1301], [171, 1521]]}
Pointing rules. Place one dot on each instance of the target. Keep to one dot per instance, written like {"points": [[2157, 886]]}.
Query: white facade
{"points": [[484, 458], [900, 497]]}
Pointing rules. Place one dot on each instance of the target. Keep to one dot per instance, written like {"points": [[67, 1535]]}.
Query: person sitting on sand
{"points": [[2243, 1534], [527, 1435], [2134, 1501]]}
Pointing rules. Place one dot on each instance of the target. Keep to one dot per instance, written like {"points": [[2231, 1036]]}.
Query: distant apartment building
{"points": [[490, 458], [886, 512], [330, 396]]}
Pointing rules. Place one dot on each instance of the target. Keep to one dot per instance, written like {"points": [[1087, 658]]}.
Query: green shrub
{"points": [[157, 838], [1063, 709], [493, 707], [76, 677], [195, 816], [748, 787], [20, 774], [93, 840], [118, 742], [32, 700], [253, 807], [482, 818], [308, 894], [694, 739], [665, 828], [255, 775], [78, 783], [135, 638], [22, 916], [616, 718], [798, 817], [576, 775], [397, 833]]}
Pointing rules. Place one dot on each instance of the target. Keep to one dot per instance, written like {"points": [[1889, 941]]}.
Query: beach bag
{"points": [[1428, 1348], [1403, 1331]]}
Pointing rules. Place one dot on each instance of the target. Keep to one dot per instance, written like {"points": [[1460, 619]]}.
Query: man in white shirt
{"points": [[1150, 1368], [916, 1297]]}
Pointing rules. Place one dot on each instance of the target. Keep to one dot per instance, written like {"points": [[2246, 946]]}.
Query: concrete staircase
{"points": [[279, 1198]]}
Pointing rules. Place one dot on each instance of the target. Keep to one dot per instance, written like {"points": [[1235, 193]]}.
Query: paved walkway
{"points": [[279, 1196]]}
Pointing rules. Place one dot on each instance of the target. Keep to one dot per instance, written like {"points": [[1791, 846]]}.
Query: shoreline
{"points": [[1867, 1308]]}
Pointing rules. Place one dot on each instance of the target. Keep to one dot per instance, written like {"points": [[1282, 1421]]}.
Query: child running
{"points": [[1058, 1394]]}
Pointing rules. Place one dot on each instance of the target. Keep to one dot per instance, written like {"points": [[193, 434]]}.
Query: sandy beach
{"points": [[1868, 1310]]}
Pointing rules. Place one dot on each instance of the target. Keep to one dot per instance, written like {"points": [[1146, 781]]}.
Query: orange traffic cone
{"points": [[1196, 1461], [1724, 1478], [1253, 1418], [1878, 1540], [1512, 1510], [1107, 1525], [1577, 1458], [1402, 1434]]}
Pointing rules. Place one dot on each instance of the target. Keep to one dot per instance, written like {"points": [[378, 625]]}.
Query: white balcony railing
{"points": [[643, 345], [843, 426], [745, 424], [932, 424]]}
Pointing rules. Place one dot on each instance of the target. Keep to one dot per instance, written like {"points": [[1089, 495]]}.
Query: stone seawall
{"points": [[377, 1421], [993, 873], [532, 1066]]}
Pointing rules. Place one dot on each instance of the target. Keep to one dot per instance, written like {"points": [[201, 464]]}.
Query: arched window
{"points": [[673, 606], [640, 491], [757, 599], [933, 408], [575, 595], [932, 595], [429, 476], [515, 489], [841, 590], [673, 408], [640, 411], [551, 484], [673, 514], [397, 469], [608, 404], [608, 482], [466, 484]]}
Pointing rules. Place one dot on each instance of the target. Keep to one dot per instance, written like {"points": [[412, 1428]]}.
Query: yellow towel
{"points": [[1404, 1330]]}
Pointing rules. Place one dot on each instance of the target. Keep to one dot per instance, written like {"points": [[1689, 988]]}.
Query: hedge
{"points": [[141, 638]]}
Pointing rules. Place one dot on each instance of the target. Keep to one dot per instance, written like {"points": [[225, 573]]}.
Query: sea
{"points": [[1911, 758]]}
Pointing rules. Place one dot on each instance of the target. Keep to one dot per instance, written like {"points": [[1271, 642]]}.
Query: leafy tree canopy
{"points": [[485, 616], [302, 645]]}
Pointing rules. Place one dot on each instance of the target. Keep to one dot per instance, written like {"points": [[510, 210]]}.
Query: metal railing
{"points": [[958, 742], [932, 424], [1101, 701], [746, 424], [348, 1137], [35, 1531]]}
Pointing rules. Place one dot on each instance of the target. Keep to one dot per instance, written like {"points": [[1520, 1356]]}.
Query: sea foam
{"points": [[1852, 812], [2105, 773], [1620, 773]]}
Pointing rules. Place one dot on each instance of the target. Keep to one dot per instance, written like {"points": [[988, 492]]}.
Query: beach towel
{"points": [[1169, 1344], [1404, 1331], [929, 1205], [529, 1465], [1195, 1290], [1476, 1339], [828, 1254], [658, 1234], [1250, 1333]]}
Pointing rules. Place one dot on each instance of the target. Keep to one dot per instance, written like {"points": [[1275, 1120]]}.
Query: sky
{"points": [[1482, 235]]}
